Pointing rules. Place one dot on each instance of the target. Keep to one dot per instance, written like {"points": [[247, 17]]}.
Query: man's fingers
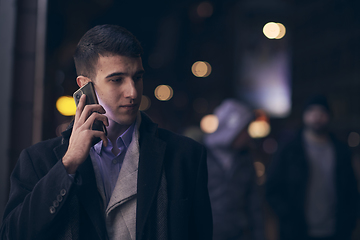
{"points": [[95, 117], [89, 110], [80, 107]]}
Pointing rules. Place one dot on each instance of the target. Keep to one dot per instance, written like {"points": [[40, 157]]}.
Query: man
{"points": [[234, 194], [311, 186], [139, 182]]}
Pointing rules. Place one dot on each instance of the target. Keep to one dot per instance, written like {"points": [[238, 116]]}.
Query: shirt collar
{"points": [[123, 139]]}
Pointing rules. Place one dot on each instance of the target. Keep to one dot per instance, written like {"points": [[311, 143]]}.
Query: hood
{"points": [[233, 117]]}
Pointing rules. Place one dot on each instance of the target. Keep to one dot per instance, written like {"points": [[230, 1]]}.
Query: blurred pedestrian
{"points": [[235, 200], [311, 185]]}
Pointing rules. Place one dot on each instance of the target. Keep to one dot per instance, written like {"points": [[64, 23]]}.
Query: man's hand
{"points": [[82, 134]]}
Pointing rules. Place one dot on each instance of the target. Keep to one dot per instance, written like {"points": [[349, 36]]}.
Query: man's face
{"points": [[119, 86], [316, 118]]}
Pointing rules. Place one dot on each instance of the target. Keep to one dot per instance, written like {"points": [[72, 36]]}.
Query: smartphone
{"points": [[89, 91]]}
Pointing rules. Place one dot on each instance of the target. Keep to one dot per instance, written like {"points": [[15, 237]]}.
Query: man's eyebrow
{"points": [[121, 73], [115, 74], [140, 72]]}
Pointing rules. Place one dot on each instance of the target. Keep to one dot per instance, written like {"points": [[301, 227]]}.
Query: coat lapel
{"points": [[88, 195], [126, 185], [121, 217], [152, 151]]}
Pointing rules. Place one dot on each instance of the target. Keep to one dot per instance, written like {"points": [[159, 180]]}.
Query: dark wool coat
{"points": [[45, 203], [286, 190]]}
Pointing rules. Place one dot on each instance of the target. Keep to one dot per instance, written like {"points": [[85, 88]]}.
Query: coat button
{"points": [[52, 210], [55, 203], [62, 192], [59, 198]]}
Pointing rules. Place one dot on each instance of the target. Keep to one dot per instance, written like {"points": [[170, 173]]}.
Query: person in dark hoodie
{"points": [[311, 185], [234, 196]]}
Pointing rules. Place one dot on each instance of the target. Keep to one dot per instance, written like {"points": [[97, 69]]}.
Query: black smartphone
{"points": [[89, 91]]}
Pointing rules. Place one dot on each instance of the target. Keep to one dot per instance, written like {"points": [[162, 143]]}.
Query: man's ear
{"points": [[81, 80]]}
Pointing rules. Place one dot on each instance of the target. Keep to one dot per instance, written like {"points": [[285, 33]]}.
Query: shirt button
{"points": [[52, 209], [62, 192], [114, 161], [55, 203]]}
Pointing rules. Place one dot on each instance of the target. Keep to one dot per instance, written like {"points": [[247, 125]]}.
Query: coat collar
{"points": [[152, 151]]}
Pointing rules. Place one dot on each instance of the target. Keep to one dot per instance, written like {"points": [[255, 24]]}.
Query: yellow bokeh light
{"points": [[66, 105], [145, 103], [201, 69], [259, 129], [164, 92], [209, 123], [282, 31], [271, 30]]}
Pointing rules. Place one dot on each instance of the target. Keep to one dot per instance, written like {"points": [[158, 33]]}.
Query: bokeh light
{"points": [[270, 146], [259, 129], [145, 103], [209, 123], [201, 69], [66, 105], [204, 9], [259, 168], [261, 180], [271, 30], [353, 139], [282, 31], [274, 30], [164, 92]]}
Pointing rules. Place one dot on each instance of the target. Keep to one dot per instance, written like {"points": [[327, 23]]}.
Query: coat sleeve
{"points": [[201, 224], [35, 200]]}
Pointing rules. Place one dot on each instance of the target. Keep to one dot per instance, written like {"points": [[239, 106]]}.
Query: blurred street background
{"points": [[271, 54]]}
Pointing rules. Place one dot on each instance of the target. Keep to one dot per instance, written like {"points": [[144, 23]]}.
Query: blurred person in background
{"points": [[235, 199], [311, 184]]}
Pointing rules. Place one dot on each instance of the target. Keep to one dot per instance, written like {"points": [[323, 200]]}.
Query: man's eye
{"points": [[137, 78], [116, 80]]}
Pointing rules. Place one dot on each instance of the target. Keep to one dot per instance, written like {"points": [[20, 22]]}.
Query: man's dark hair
{"points": [[320, 100], [104, 40]]}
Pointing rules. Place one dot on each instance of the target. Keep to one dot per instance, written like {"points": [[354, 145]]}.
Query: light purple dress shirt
{"points": [[108, 164]]}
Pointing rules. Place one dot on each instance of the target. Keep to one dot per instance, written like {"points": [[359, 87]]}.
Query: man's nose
{"points": [[130, 90]]}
